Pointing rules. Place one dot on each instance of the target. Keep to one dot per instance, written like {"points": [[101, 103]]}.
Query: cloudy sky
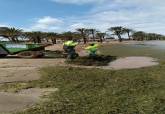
{"points": [[65, 15]]}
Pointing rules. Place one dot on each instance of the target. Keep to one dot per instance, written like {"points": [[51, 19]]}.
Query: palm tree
{"points": [[71, 35], [67, 35], [117, 31], [101, 36], [93, 33], [11, 33], [88, 33], [35, 37], [52, 36], [2, 32], [82, 31], [128, 32], [76, 35]]}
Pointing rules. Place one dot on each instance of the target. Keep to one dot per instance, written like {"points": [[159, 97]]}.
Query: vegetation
{"points": [[14, 87], [11, 34], [52, 36], [97, 91], [93, 32], [117, 31], [70, 35], [81, 34], [128, 32], [140, 36], [101, 36], [34, 36]]}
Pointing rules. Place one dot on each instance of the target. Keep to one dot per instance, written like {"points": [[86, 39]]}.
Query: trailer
{"points": [[22, 50]]}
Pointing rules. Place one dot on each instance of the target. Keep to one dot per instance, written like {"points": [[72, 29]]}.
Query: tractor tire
{"points": [[31, 54], [3, 55]]}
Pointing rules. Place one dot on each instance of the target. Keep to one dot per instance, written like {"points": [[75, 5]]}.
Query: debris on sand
{"points": [[100, 60]]}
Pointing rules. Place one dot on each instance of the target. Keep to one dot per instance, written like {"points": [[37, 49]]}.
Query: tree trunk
{"points": [[93, 36], [104, 38], [13, 39], [120, 39], [101, 39], [129, 36], [33, 40], [38, 39], [16, 39], [9, 39], [85, 40], [54, 40]]}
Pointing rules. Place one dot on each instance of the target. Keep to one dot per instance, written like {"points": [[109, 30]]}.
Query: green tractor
{"points": [[22, 50]]}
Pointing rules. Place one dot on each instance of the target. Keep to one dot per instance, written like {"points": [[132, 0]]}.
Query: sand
{"points": [[12, 102], [24, 70]]}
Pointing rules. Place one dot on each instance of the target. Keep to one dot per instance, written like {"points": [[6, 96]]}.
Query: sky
{"points": [[67, 15]]}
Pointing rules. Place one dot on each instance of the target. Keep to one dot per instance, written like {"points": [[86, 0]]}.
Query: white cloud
{"points": [[78, 1], [4, 25], [46, 23], [145, 15], [73, 27]]}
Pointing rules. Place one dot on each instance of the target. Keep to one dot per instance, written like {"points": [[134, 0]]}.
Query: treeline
{"points": [[135, 35], [140, 36], [82, 34]]}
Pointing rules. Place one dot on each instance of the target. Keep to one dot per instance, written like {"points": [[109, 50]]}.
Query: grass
{"points": [[96, 91], [14, 87]]}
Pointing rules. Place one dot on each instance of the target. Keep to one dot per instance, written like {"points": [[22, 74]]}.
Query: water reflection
{"points": [[152, 44]]}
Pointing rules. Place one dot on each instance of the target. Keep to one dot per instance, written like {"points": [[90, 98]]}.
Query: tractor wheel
{"points": [[31, 54], [2, 55]]}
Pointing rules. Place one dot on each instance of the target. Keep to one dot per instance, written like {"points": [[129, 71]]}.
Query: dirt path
{"points": [[10, 102], [20, 70]]}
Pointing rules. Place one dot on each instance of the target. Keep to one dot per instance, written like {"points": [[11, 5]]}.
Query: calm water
{"points": [[153, 44]]}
